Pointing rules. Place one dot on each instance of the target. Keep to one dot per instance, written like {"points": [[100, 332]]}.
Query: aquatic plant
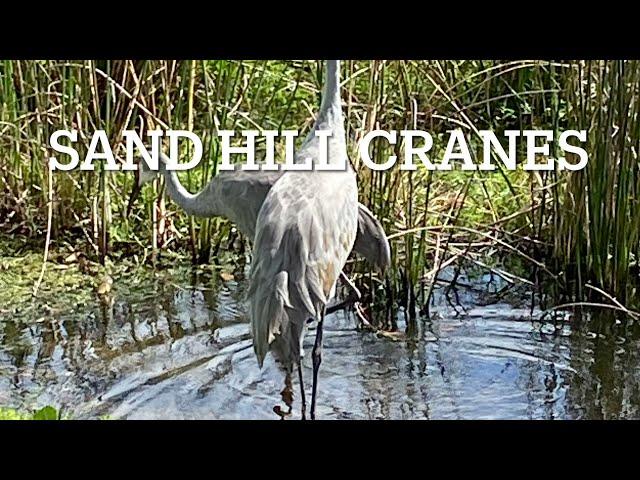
{"points": [[559, 228]]}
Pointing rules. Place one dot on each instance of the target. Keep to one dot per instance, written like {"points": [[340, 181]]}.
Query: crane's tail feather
{"points": [[275, 324], [371, 240], [269, 304]]}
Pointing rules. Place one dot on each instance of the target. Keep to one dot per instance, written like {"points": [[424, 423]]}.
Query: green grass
{"points": [[581, 227]]}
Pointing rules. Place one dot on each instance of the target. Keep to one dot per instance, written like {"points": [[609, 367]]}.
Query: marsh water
{"points": [[181, 349]]}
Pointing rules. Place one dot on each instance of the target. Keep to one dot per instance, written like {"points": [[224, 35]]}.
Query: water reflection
{"points": [[605, 357], [181, 349]]}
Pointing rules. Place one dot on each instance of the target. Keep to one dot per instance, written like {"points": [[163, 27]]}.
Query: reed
{"points": [[569, 228], [597, 232]]}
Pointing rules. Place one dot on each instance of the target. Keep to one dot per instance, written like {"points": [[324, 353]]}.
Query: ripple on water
{"points": [[185, 352]]}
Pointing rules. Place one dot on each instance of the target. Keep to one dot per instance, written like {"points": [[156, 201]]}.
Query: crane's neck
{"points": [[205, 203], [331, 106], [329, 116]]}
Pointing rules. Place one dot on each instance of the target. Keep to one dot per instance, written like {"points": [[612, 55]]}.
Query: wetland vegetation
{"points": [[523, 283]]}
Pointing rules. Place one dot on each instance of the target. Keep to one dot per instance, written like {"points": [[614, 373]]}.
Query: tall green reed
{"points": [[571, 227]]}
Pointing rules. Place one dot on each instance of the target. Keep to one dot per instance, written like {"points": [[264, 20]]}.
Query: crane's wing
{"points": [[241, 195], [371, 240]]}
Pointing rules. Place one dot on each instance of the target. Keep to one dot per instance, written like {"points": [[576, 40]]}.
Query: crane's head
{"points": [[145, 174]]}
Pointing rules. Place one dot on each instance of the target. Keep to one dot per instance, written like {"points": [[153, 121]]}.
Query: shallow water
{"points": [[183, 350]]}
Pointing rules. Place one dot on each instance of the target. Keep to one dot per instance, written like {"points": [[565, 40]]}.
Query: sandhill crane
{"points": [[305, 225], [238, 195], [305, 231]]}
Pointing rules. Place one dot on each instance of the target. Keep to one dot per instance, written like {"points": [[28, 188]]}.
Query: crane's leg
{"points": [[303, 397], [287, 393], [316, 356], [352, 299]]}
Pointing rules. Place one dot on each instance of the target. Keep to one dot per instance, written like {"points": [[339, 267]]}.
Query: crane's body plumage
{"points": [[305, 231], [302, 242], [239, 194]]}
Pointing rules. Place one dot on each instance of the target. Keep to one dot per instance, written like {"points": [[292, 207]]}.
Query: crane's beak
{"points": [[135, 193], [145, 175]]}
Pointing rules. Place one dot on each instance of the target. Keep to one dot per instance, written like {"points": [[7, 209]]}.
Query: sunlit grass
{"points": [[579, 227]]}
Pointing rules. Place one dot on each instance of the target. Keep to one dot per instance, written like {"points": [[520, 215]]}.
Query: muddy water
{"points": [[182, 350]]}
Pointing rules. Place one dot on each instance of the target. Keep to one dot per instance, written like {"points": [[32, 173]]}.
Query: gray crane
{"points": [[305, 231], [304, 224], [238, 195]]}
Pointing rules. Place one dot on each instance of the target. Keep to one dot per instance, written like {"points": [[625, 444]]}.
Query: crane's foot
{"points": [[281, 413], [287, 397]]}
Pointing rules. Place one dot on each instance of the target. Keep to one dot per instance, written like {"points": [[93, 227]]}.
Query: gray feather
{"points": [[304, 240], [238, 195]]}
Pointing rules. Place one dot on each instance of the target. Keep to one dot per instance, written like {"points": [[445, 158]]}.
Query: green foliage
{"points": [[598, 230], [45, 413], [10, 414], [579, 227]]}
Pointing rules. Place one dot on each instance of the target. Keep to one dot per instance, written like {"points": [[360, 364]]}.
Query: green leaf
{"points": [[46, 413]]}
